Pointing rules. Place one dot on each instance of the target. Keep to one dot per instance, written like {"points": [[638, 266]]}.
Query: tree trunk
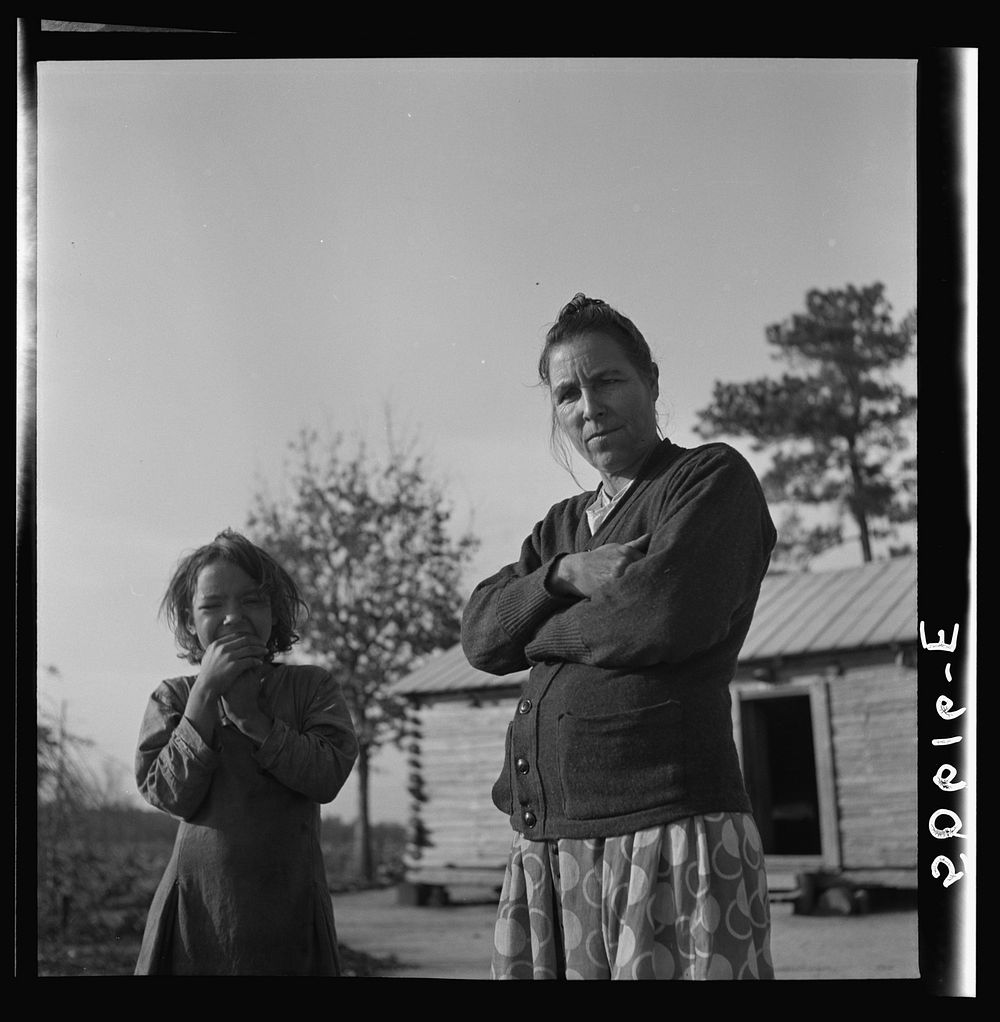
{"points": [[858, 506], [866, 543], [363, 833]]}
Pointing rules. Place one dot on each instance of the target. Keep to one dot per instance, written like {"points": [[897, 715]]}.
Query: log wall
{"points": [[873, 722], [459, 755]]}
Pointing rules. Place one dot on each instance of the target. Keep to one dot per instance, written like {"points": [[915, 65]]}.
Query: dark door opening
{"points": [[779, 766]]}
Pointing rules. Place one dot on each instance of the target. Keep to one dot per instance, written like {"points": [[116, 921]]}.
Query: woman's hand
{"points": [[584, 573]]}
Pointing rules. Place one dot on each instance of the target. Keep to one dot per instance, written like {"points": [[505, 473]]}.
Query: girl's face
{"points": [[227, 601]]}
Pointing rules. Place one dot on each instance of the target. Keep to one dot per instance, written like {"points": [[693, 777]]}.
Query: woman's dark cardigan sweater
{"points": [[625, 719]]}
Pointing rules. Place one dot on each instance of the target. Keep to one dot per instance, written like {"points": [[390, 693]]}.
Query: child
{"points": [[243, 753]]}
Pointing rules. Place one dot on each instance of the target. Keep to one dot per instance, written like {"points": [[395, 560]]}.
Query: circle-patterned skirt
{"points": [[686, 900]]}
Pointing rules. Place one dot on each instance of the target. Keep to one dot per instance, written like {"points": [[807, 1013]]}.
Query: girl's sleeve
{"points": [[505, 611], [315, 756], [701, 575], [173, 764]]}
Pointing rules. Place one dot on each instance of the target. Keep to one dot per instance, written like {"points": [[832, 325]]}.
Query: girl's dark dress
{"points": [[245, 890]]}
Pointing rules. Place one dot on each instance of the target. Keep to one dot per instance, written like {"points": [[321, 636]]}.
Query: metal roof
{"points": [[451, 672], [800, 614], [810, 613]]}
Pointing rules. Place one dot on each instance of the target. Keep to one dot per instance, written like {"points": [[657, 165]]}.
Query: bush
{"points": [[98, 870], [340, 853]]}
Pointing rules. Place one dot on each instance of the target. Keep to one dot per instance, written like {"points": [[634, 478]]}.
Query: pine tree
{"points": [[836, 421]]}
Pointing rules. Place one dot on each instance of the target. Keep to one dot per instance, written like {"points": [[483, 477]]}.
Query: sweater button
{"points": [[522, 765], [530, 819], [524, 706]]}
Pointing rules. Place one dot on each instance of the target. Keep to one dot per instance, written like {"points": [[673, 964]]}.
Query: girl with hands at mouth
{"points": [[231, 620], [243, 753]]}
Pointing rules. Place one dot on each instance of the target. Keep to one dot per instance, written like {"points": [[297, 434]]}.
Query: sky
{"points": [[231, 251]]}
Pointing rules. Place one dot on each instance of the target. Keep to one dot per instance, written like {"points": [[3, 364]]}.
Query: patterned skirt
{"points": [[686, 900]]}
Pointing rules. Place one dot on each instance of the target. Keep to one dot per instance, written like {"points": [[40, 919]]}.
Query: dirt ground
{"points": [[454, 942]]}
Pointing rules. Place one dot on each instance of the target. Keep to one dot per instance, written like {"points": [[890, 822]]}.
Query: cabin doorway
{"points": [[779, 767]]}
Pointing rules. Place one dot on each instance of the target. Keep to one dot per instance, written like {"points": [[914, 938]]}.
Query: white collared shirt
{"points": [[601, 505]]}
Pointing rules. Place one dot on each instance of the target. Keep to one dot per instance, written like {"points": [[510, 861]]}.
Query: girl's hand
{"points": [[242, 706], [584, 573], [226, 659]]}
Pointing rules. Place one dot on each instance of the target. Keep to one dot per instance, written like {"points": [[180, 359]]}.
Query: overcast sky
{"points": [[231, 251]]}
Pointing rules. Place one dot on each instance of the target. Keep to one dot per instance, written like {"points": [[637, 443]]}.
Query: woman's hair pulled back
{"points": [[584, 315]]}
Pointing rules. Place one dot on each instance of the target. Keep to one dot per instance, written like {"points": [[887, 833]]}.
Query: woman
{"points": [[635, 853]]}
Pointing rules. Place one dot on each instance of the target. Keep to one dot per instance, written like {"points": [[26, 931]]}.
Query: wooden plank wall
{"points": [[460, 757], [874, 749], [873, 719]]}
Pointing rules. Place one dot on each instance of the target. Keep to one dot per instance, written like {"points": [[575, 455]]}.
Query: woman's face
{"points": [[603, 405]]}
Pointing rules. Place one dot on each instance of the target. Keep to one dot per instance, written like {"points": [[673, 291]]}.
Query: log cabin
{"points": [[824, 707]]}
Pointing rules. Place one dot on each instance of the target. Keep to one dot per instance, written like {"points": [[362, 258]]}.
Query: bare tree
{"points": [[368, 543]]}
